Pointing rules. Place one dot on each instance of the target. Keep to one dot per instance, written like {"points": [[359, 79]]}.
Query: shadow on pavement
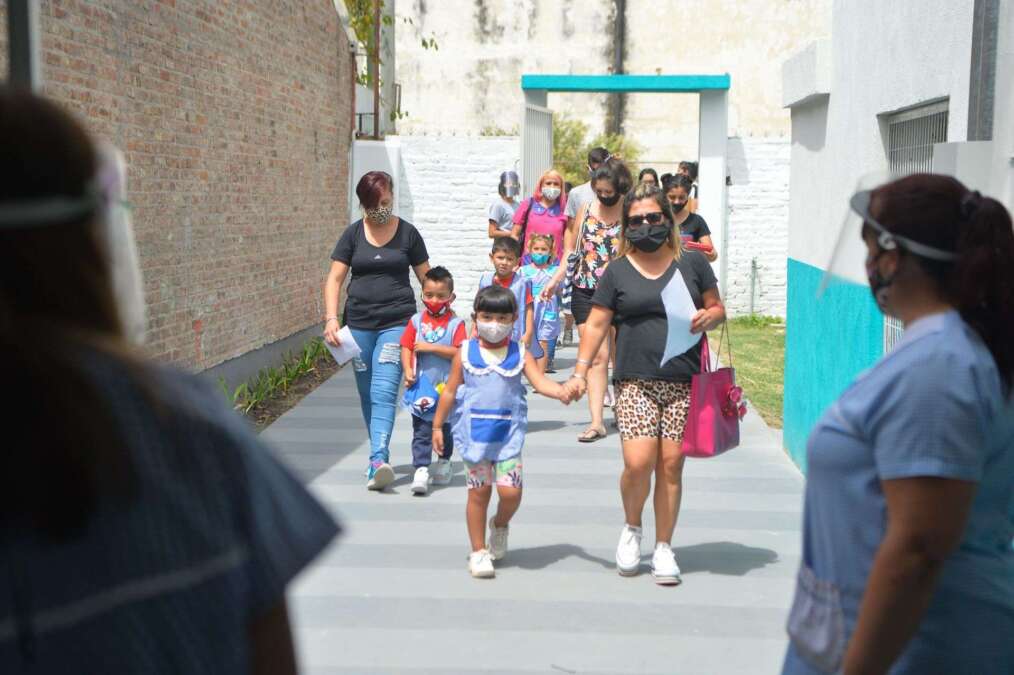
{"points": [[539, 557], [723, 557]]}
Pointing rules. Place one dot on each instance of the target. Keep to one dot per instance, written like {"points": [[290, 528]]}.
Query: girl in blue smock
{"points": [[539, 272], [908, 565], [490, 417]]}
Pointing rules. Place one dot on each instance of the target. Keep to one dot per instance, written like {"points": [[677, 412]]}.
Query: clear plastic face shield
{"points": [[107, 200], [510, 184], [853, 260]]}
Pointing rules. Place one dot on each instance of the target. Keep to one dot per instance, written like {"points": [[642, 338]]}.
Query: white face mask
{"points": [[551, 193], [493, 332], [116, 236]]}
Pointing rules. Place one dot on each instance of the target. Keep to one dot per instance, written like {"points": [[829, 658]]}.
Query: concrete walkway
{"points": [[393, 595]]}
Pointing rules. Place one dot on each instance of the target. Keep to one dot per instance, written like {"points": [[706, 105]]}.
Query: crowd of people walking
{"points": [[145, 528]]}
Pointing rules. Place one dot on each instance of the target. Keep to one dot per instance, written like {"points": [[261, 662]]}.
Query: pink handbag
{"points": [[716, 407]]}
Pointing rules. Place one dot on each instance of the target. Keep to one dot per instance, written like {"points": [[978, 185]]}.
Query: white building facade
{"points": [[923, 84]]}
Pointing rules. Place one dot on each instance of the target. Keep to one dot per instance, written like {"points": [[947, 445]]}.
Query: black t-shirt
{"points": [[694, 227], [380, 295], [640, 317]]}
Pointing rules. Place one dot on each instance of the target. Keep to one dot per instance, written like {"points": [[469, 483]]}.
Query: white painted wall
{"points": [[446, 184], [758, 224], [473, 81], [886, 56]]}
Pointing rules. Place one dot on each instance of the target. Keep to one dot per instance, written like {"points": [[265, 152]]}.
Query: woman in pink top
{"points": [[545, 210]]}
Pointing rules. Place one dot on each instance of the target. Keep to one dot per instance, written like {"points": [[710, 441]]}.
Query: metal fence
{"points": [[536, 145], [910, 138]]}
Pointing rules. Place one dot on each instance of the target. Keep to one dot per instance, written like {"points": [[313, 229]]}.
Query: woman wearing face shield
{"points": [[501, 212], [907, 564], [144, 528]]}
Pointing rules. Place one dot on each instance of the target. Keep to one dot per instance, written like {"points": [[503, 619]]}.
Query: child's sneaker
{"points": [[628, 551], [440, 472], [664, 567], [480, 565], [497, 540], [421, 481], [379, 476]]}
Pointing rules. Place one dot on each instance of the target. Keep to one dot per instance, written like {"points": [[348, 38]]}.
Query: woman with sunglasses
{"points": [[653, 397]]}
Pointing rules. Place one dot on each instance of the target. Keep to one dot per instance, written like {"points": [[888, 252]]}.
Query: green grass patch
{"points": [[758, 354], [273, 382]]}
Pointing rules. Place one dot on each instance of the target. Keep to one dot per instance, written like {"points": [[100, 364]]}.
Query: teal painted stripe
{"points": [[827, 343], [627, 83]]}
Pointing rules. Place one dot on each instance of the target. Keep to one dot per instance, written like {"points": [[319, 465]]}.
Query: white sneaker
{"points": [[480, 565], [380, 477], [664, 567], [628, 551], [497, 540], [441, 472], [421, 481]]}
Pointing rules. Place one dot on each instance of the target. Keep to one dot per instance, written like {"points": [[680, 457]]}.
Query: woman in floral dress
{"points": [[594, 238]]}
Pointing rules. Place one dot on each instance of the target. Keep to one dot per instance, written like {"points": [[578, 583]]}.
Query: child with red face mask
{"points": [[431, 339]]}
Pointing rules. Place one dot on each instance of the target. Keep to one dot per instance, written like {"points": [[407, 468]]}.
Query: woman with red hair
{"points": [[543, 213], [379, 249]]}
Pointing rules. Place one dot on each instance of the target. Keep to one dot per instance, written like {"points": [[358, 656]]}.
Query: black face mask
{"points": [[649, 238], [610, 201], [677, 207], [879, 284]]}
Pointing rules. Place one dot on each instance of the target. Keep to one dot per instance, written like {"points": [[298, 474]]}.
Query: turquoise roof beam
{"points": [[675, 84]]}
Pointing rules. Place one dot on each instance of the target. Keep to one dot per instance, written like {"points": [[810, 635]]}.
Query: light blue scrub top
{"points": [[934, 406]]}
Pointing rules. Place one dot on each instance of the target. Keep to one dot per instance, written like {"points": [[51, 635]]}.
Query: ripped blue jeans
{"points": [[378, 377]]}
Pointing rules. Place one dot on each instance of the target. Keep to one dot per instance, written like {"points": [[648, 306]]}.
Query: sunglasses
{"points": [[650, 218]]}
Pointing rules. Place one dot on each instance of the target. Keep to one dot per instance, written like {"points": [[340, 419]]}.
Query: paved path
{"points": [[393, 596]]}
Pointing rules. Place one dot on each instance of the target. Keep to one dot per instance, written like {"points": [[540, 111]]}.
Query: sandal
{"points": [[591, 435]]}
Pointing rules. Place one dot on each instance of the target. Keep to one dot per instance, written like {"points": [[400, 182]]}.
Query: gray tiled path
{"points": [[393, 595]]}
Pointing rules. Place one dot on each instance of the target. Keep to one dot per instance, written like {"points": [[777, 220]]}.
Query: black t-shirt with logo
{"points": [[694, 227], [640, 317], [379, 294]]}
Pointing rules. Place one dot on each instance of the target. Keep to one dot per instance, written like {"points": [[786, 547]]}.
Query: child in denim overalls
{"points": [[490, 419]]}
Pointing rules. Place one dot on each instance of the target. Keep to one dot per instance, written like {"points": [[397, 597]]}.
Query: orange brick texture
{"points": [[236, 119]]}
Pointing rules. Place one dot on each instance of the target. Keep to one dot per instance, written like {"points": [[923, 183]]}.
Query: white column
{"points": [[712, 194]]}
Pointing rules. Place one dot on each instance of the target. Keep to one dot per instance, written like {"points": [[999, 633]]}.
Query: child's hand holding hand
{"points": [[438, 441], [563, 394], [409, 377]]}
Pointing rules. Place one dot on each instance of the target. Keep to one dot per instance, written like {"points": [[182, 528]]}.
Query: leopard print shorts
{"points": [[652, 409]]}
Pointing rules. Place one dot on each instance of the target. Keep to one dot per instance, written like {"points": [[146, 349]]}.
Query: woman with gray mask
{"points": [[144, 528], [379, 250], [501, 212]]}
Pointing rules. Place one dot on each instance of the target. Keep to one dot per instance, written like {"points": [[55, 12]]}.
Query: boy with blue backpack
{"points": [[431, 340]]}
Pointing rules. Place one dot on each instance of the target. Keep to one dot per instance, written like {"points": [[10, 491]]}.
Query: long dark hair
{"points": [[63, 450], [941, 212], [616, 172]]}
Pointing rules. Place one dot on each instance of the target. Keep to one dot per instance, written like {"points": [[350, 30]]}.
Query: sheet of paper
{"points": [[679, 311], [347, 349]]}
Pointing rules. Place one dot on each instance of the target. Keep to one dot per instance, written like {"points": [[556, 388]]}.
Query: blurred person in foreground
{"points": [[143, 526], [907, 564]]}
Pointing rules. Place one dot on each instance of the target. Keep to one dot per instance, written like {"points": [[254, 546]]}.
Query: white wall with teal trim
{"points": [[884, 57]]}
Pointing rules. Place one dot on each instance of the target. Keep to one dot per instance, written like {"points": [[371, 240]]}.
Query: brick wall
{"points": [[446, 186], [235, 119], [758, 224]]}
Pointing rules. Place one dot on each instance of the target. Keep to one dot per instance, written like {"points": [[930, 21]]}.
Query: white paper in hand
{"points": [[347, 349], [679, 311]]}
